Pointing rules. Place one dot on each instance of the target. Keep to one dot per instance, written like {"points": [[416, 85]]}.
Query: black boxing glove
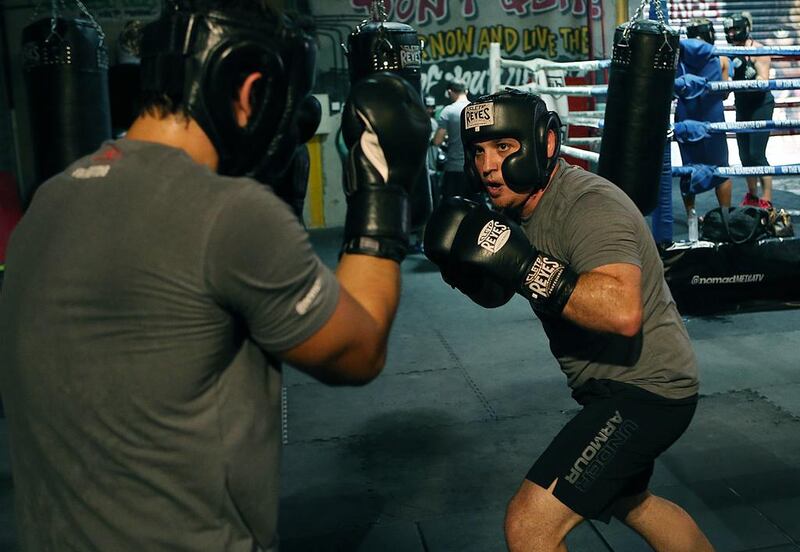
{"points": [[440, 232], [386, 129], [476, 241]]}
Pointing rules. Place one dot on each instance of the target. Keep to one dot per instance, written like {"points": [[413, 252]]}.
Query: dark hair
{"points": [[457, 85]]}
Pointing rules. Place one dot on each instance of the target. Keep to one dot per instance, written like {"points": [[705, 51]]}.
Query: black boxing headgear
{"points": [[202, 58], [376, 46], [737, 28], [701, 28], [519, 115]]}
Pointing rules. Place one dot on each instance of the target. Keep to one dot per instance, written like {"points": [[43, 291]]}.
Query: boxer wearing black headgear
{"points": [[187, 54], [512, 114], [187, 289], [501, 122], [702, 28], [584, 258], [751, 106], [737, 28]]}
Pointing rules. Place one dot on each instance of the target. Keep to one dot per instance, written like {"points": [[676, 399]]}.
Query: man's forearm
{"points": [[374, 283], [603, 303]]}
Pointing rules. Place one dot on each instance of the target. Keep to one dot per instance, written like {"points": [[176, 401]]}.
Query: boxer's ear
{"points": [[551, 143], [249, 96]]}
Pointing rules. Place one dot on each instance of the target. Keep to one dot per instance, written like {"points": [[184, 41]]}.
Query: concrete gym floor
{"points": [[425, 457]]}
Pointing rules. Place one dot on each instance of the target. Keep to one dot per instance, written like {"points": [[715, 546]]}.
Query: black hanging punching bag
{"points": [[640, 85], [376, 46], [65, 71]]}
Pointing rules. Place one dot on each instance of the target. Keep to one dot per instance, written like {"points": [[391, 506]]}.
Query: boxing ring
{"points": [[756, 276], [549, 82]]}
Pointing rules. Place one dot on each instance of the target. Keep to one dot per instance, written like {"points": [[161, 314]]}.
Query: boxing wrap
{"points": [[469, 241], [385, 128]]}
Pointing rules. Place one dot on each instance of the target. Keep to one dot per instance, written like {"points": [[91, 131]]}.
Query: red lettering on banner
{"points": [[405, 10], [514, 6], [575, 7], [424, 12], [420, 12], [469, 9], [438, 8], [540, 6]]}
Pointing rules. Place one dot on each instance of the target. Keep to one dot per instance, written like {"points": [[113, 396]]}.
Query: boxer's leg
{"points": [[724, 192], [663, 524], [537, 521]]}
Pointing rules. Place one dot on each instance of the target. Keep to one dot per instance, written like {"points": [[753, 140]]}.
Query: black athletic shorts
{"points": [[607, 451]]}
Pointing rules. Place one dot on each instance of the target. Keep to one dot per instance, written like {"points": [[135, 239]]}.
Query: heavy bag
{"points": [[640, 85], [376, 46], [66, 82]]}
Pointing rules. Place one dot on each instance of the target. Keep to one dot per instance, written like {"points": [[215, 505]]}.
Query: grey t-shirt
{"points": [[450, 120], [144, 299], [587, 222]]}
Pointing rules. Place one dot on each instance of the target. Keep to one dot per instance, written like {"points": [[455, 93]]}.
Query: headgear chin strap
{"points": [[737, 28], [701, 28], [204, 57], [519, 115]]}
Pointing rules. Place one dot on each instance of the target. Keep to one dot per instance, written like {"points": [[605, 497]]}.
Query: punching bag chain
{"points": [[102, 53], [58, 6], [377, 11], [53, 15], [100, 34], [383, 49], [640, 12]]}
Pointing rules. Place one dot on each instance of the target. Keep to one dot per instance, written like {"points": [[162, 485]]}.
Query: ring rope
{"points": [[712, 86], [751, 126], [776, 170], [786, 51], [739, 127], [753, 85], [597, 90], [580, 154], [584, 122], [588, 114], [583, 140], [540, 64]]}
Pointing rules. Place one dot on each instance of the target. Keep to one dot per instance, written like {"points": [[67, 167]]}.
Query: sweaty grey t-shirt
{"points": [[585, 221], [143, 301]]}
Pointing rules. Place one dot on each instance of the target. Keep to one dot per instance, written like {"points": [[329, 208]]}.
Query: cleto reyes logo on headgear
{"points": [[478, 115], [493, 236]]}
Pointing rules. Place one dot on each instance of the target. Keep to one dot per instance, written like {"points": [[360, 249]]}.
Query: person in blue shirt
{"points": [[697, 58]]}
